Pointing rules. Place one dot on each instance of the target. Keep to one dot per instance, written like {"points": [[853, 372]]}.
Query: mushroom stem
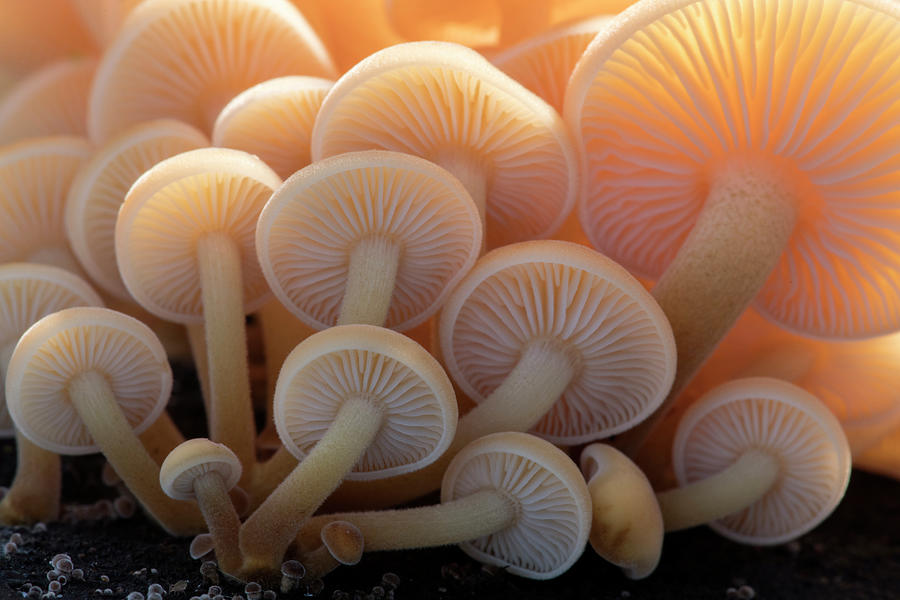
{"points": [[231, 413], [197, 339], [268, 475], [267, 533], [733, 489], [93, 399], [473, 177], [221, 519], [371, 275], [161, 437], [739, 236]]}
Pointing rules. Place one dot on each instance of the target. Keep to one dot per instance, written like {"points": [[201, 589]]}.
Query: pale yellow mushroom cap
{"points": [[193, 458]]}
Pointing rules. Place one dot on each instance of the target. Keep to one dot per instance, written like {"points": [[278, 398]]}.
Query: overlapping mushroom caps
{"points": [[186, 59], [760, 460], [446, 103], [103, 18], [736, 171]]}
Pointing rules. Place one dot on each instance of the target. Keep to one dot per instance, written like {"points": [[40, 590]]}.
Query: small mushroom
{"points": [[342, 544]]}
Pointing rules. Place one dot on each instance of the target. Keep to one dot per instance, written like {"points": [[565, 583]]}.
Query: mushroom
{"points": [[509, 499], [342, 544], [202, 470], [734, 171], [27, 293], [50, 101], [883, 458], [186, 59], [89, 379], [103, 18], [447, 104], [184, 244], [367, 237], [627, 526], [353, 401], [758, 459]]}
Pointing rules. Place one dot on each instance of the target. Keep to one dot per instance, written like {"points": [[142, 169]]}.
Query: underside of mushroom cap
{"points": [[447, 103], [204, 52], [101, 184], [192, 459], [620, 343], [385, 368], [65, 344], [553, 516], [172, 205], [273, 120], [771, 416], [675, 90], [309, 229]]}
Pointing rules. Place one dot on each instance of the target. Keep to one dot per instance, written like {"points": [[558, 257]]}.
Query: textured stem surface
{"points": [[473, 177], [221, 519], [370, 281]]}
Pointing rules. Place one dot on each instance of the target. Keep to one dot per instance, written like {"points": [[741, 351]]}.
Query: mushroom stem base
{"points": [[35, 490]]}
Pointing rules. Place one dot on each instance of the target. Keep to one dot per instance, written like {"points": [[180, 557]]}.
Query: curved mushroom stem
{"points": [[197, 340], [542, 374], [737, 487], [269, 475], [231, 413], [221, 519], [371, 276], [161, 437], [95, 403], [740, 234], [473, 177], [267, 533]]}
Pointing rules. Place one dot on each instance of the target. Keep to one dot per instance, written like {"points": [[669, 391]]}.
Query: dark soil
{"points": [[853, 555]]}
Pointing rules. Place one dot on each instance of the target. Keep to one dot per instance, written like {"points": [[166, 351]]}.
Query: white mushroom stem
{"points": [[93, 399], [371, 276], [739, 236], [221, 519], [267, 533], [727, 492], [471, 174], [268, 475], [197, 340], [231, 412]]}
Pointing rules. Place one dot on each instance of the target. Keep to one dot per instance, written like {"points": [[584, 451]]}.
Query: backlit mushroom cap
{"points": [[553, 504], [173, 204], [35, 176], [103, 18], [27, 293], [619, 341], [448, 104], [308, 231], [274, 121], [675, 90], [101, 184], [193, 458], [186, 59], [62, 346], [52, 101], [362, 361], [775, 417]]}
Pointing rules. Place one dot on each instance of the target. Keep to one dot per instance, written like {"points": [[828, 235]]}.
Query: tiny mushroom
{"points": [[342, 544]]}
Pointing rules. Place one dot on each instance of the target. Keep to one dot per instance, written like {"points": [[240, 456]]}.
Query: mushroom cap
{"points": [[349, 361], [35, 175], [436, 99], [172, 205], [28, 292], [193, 458], [101, 184], [627, 527], [103, 18], [309, 228], [273, 120], [70, 342], [674, 90], [186, 59], [344, 541], [50, 101], [544, 63], [621, 344], [553, 517], [776, 417]]}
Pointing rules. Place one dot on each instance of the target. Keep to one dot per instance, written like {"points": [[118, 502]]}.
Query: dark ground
{"points": [[853, 555]]}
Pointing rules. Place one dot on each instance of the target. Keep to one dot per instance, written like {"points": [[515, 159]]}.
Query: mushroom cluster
{"points": [[439, 245]]}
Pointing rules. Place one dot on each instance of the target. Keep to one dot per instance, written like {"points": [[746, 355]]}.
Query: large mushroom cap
{"points": [[677, 88], [170, 207], [65, 344], [554, 506], [619, 341], [186, 59], [273, 120], [776, 417], [386, 368], [309, 229], [101, 184], [447, 103], [193, 458]]}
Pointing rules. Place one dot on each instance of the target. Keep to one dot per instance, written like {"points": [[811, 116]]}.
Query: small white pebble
{"points": [[135, 596], [154, 596], [104, 578], [16, 539], [155, 588], [39, 527], [745, 592], [10, 548]]}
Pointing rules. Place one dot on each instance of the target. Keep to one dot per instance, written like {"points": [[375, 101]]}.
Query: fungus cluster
{"points": [[439, 245]]}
